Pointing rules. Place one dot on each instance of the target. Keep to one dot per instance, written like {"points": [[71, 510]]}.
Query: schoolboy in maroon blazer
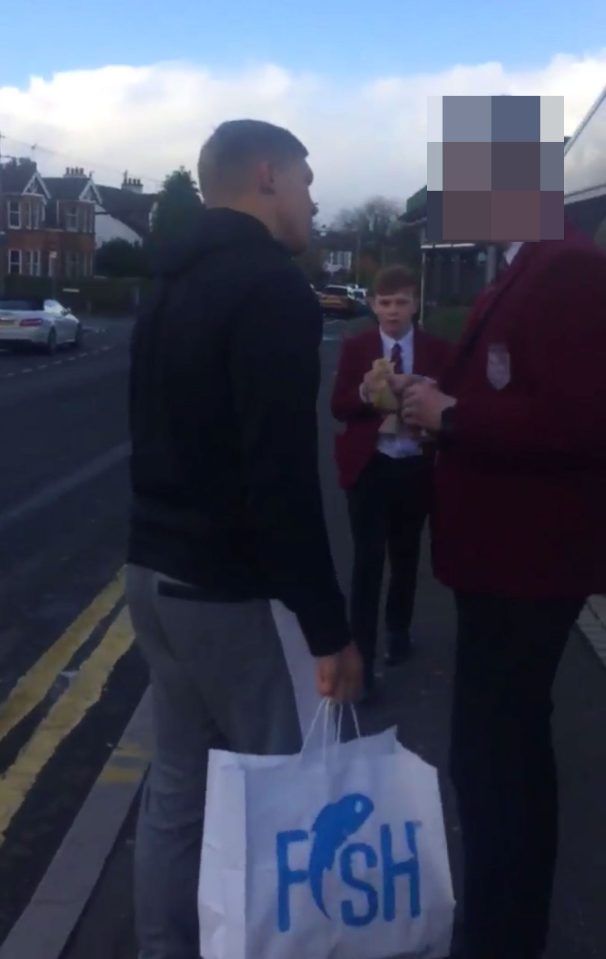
{"points": [[519, 534], [387, 478]]}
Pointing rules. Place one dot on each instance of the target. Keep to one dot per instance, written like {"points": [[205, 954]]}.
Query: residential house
{"points": [[71, 214], [338, 251], [124, 213], [48, 223]]}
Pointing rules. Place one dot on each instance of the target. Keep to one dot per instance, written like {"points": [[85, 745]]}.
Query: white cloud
{"points": [[363, 139]]}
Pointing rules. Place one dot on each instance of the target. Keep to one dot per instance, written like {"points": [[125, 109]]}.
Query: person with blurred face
{"points": [[387, 476], [231, 584], [519, 527]]}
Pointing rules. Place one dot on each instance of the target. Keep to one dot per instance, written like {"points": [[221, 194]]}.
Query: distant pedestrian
{"points": [[520, 534], [231, 583], [387, 476]]}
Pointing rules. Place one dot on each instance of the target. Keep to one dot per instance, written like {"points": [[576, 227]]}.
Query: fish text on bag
{"points": [[370, 870]]}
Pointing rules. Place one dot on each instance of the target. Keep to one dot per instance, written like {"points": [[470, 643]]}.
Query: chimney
{"points": [[74, 171], [132, 185]]}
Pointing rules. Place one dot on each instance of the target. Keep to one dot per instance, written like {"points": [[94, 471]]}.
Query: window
{"points": [[71, 218], [26, 262], [27, 216], [14, 262], [72, 265], [36, 263], [51, 306], [36, 217], [340, 258], [14, 215]]}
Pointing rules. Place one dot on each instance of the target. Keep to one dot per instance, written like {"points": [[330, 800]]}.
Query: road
{"points": [[63, 501], [70, 678]]}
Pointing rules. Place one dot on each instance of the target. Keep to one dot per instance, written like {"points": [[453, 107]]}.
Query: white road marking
{"points": [[68, 359], [66, 484]]}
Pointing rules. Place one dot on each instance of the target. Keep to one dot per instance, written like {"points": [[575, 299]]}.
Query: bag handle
{"points": [[325, 709], [354, 716]]}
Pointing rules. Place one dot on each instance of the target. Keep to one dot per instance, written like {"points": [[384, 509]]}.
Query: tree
{"points": [[311, 263], [379, 234], [407, 247], [375, 221], [121, 258], [178, 208]]}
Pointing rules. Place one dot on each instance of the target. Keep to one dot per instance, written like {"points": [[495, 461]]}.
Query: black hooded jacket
{"points": [[224, 383]]}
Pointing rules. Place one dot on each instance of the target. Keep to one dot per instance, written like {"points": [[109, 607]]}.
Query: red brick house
{"points": [[47, 223]]}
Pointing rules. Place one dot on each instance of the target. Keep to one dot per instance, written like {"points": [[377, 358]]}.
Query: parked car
{"points": [[343, 302], [38, 323]]}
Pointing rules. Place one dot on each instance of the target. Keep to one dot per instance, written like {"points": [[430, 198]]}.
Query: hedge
{"points": [[446, 322]]}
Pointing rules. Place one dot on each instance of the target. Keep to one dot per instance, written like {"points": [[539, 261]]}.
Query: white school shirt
{"points": [[399, 447]]}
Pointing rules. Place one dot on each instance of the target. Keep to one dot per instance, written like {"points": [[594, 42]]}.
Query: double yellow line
{"points": [[68, 711]]}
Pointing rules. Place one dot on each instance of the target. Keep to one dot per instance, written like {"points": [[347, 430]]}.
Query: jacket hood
{"points": [[214, 229]]}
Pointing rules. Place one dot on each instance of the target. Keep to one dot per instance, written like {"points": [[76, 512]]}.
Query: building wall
{"points": [[108, 228], [72, 216], [74, 252], [587, 215], [29, 248], [30, 211], [453, 277]]}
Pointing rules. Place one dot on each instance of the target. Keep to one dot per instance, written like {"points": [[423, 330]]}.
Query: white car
{"points": [[39, 323], [358, 293]]}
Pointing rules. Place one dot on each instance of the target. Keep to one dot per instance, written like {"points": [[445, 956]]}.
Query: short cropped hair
{"points": [[230, 153], [393, 279]]}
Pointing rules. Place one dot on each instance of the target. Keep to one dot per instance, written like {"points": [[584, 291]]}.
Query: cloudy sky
{"points": [[133, 87]]}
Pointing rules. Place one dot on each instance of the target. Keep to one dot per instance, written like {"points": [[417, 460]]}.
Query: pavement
{"points": [[74, 719]]}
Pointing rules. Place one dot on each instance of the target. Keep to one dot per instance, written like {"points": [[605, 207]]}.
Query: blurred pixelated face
{"points": [[495, 169]]}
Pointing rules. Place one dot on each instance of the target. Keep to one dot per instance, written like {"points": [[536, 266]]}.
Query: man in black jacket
{"points": [[231, 583]]}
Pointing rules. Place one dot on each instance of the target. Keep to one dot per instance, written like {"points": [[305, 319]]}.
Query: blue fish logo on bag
{"points": [[333, 827], [370, 870]]}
